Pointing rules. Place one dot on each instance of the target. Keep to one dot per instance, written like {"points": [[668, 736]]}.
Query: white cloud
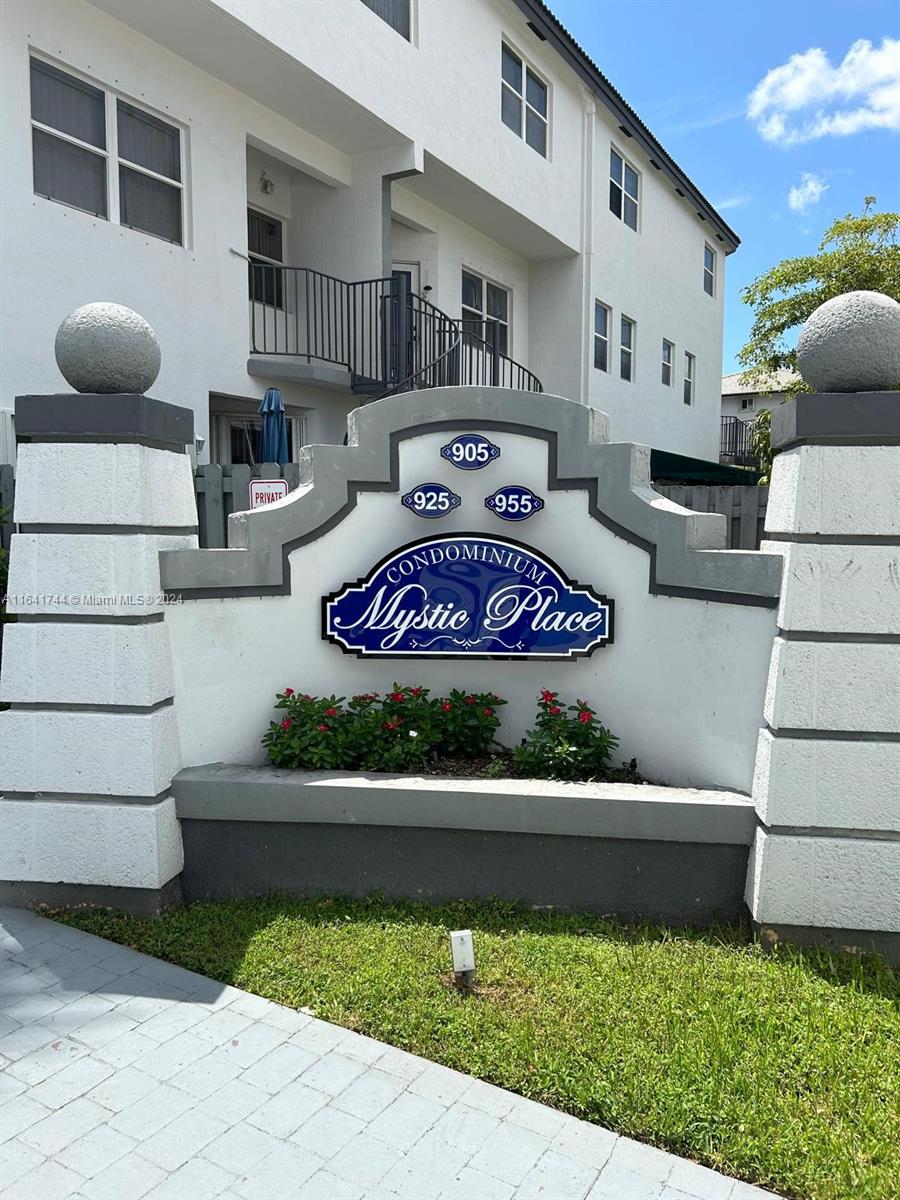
{"points": [[807, 98], [736, 201], [808, 192]]}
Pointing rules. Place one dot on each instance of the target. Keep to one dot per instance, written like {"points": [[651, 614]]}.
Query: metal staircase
{"points": [[390, 339]]}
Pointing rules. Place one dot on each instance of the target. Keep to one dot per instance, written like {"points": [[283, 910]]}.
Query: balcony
{"points": [[385, 337]]}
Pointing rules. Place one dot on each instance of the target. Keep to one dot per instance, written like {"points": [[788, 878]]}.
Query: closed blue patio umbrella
{"points": [[273, 444]]}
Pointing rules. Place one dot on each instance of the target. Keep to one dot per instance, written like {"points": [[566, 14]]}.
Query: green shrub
{"points": [[565, 743], [467, 724], [395, 732]]}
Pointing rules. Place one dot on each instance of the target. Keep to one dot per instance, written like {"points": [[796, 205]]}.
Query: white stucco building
{"points": [[467, 153]]}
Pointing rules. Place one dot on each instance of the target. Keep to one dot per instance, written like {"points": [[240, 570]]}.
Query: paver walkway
{"points": [[124, 1077]]}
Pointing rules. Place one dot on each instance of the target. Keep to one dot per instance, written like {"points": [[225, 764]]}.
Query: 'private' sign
{"points": [[461, 595], [267, 491]]}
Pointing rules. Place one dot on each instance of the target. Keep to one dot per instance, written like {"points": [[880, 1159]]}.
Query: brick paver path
{"points": [[124, 1077]]}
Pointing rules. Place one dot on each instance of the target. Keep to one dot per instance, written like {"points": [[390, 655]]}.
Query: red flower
{"points": [[289, 691], [398, 697], [330, 712], [555, 710], [446, 706], [547, 697], [470, 699], [488, 712], [286, 723], [584, 716], [391, 724], [417, 692], [323, 728]]}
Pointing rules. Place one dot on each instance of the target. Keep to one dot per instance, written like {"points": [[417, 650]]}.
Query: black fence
{"points": [[734, 443]]}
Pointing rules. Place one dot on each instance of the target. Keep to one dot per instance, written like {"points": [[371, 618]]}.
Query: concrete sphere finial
{"points": [[107, 348], [851, 343]]}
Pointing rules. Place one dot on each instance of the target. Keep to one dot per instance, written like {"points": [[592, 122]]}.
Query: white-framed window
{"points": [[265, 249], [236, 432], [524, 100], [746, 403], [690, 364], [668, 360], [624, 189], [485, 310], [602, 322], [626, 349], [96, 151], [709, 270]]}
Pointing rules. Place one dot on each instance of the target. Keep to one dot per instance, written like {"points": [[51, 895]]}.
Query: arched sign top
{"points": [[467, 595]]}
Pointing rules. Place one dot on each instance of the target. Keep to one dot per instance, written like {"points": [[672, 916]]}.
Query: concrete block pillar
{"points": [[89, 744], [825, 865]]}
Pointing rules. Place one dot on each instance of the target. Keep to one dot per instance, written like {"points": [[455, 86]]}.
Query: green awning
{"points": [[678, 468]]}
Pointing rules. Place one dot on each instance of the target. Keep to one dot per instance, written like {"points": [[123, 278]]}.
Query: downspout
{"points": [[587, 245]]}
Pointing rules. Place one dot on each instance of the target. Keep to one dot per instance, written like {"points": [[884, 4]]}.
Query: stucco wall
{"points": [[667, 252], [380, 106], [678, 666]]}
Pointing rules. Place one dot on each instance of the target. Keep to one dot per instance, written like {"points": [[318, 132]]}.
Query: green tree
{"points": [[856, 254]]}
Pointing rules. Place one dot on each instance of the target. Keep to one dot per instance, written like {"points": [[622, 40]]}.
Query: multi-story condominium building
{"points": [[340, 198]]}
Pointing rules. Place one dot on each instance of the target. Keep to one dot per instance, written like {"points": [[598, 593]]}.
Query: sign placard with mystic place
{"points": [[467, 595]]}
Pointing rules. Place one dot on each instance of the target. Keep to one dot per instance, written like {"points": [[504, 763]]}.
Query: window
{"points": [[668, 357], [264, 249], [523, 102], [394, 12], [626, 350], [602, 318], [746, 403], [689, 362], [709, 270], [485, 311], [70, 168], [150, 185], [118, 162], [623, 190]]}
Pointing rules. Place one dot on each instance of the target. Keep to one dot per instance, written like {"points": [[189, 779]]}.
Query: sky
{"points": [[785, 113]]}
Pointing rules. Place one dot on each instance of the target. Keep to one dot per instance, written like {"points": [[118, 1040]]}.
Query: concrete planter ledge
{"points": [[227, 792]]}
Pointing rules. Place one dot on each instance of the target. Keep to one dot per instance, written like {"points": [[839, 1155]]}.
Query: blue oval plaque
{"points": [[514, 502], [462, 595], [470, 451], [431, 500]]}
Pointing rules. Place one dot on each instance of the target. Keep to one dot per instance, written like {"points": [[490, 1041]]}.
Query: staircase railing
{"points": [[390, 339], [445, 352]]}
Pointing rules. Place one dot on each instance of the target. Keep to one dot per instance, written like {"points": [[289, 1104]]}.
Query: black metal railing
{"points": [[734, 442], [305, 313], [390, 339]]}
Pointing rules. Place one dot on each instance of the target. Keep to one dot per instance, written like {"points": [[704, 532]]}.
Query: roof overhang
{"points": [[544, 25]]}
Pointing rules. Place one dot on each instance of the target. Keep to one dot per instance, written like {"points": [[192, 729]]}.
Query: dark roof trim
{"points": [[542, 21]]}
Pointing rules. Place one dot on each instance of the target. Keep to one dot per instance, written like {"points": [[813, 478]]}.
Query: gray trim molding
{"points": [[113, 530], [139, 902], [85, 797], [681, 883], [682, 547], [233, 792], [95, 417], [837, 418], [851, 941], [834, 735]]}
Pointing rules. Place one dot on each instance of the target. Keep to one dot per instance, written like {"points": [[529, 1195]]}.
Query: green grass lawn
{"points": [[782, 1069]]}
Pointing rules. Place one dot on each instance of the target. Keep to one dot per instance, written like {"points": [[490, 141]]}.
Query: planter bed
{"points": [[634, 850]]}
